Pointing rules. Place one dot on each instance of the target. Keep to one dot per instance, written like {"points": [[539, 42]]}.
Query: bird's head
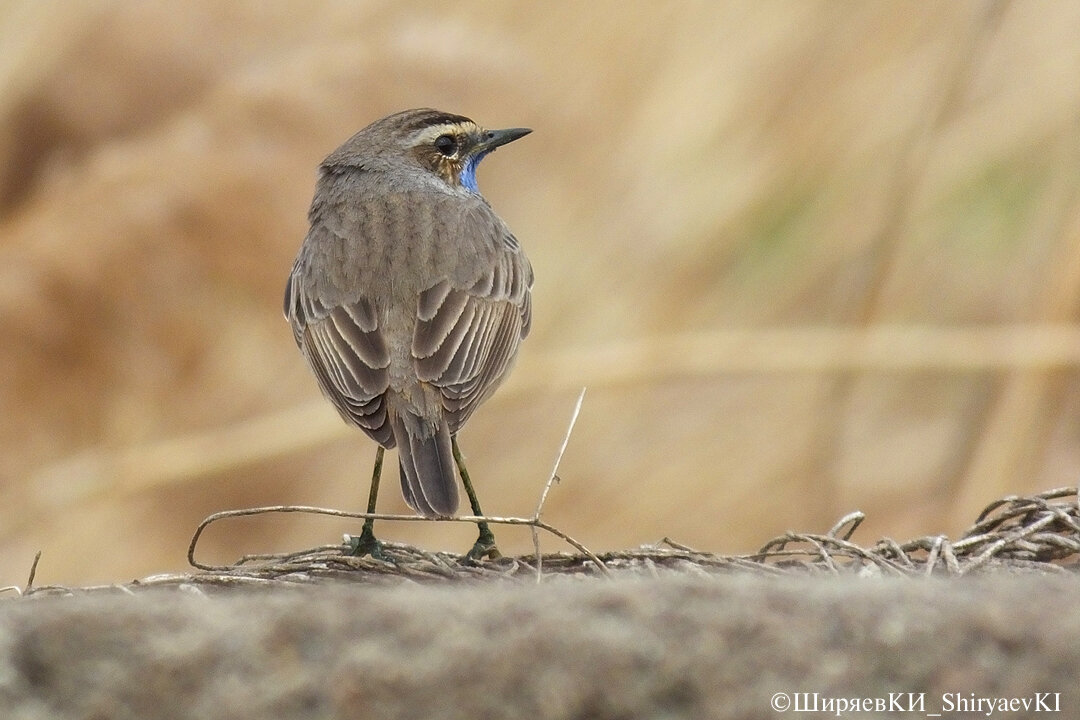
{"points": [[453, 147], [448, 145]]}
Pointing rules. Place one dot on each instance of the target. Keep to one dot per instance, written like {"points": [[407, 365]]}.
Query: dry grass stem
{"points": [[554, 477]]}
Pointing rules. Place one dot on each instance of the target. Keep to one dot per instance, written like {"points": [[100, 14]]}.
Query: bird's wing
{"points": [[347, 352], [470, 323]]}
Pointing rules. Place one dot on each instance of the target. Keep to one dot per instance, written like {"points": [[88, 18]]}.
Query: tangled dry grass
{"points": [[1038, 533]]}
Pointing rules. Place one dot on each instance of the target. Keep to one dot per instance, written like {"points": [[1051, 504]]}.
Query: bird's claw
{"points": [[484, 547], [367, 544]]}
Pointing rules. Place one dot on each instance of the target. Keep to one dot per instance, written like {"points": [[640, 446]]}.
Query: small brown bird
{"points": [[409, 298]]}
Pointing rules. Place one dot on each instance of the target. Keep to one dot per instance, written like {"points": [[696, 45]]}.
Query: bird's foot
{"points": [[484, 547], [367, 544]]}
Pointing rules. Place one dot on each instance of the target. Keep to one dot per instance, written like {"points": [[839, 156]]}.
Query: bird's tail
{"points": [[427, 465]]}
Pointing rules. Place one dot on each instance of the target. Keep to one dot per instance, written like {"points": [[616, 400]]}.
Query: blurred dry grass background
{"points": [[807, 257]]}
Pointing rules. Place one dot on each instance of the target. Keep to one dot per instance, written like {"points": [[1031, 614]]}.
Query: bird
{"points": [[409, 299]]}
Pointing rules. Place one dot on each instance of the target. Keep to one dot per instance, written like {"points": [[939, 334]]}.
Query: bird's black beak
{"points": [[494, 138]]}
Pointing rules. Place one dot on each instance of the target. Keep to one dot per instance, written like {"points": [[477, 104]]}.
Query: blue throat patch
{"points": [[468, 173]]}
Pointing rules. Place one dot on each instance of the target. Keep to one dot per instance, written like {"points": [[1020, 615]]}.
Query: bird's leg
{"points": [[366, 544], [485, 544]]}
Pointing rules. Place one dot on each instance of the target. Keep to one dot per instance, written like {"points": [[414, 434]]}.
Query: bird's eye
{"points": [[447, 145]]}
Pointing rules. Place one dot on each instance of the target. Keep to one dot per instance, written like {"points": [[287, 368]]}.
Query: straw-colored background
{"points": [[808, 257]]}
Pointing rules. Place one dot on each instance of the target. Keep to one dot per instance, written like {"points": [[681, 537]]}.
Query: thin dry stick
{"points": [[33, 571], [847, 524], [29, 581], [311, 510], [932, 556], [547, 488]]}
